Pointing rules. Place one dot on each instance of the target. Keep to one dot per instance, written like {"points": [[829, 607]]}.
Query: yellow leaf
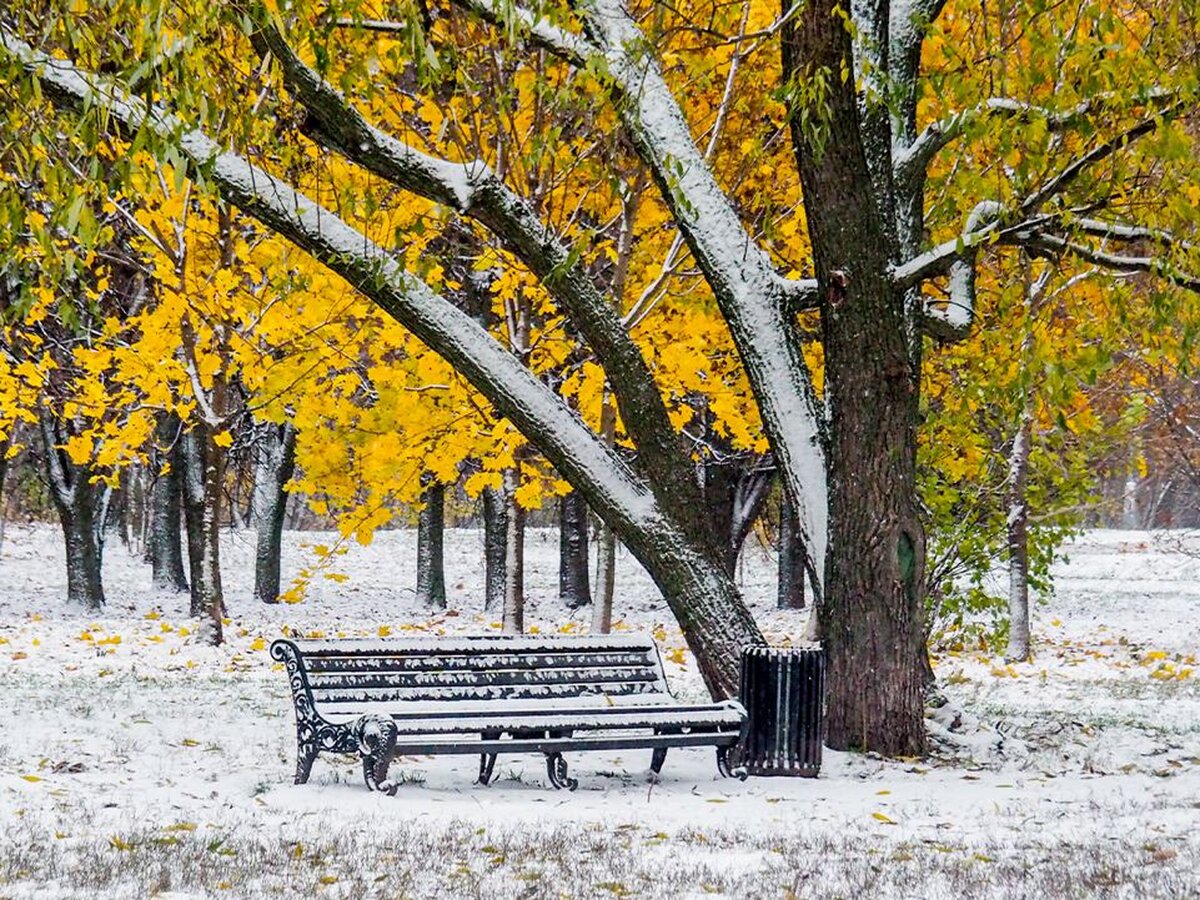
{"points": [[32, 777], [258, 644], [385, 630], [882, 818], [223, 439]]}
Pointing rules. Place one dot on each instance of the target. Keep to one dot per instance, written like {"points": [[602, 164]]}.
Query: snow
{"points": [[124, 725]]}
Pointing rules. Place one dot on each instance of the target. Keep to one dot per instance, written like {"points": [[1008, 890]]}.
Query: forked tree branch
{"points": [[475, 191]]}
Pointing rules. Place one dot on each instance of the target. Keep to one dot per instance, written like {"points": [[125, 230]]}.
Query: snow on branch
{"points": [[474, 190], [512, 389], [912, 161], [1057, 245], [510, 16], [1072, 171]]}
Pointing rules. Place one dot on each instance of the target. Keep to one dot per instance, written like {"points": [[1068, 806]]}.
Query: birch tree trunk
{"points": [[574, 589], [606, 551], [1018, 540], [275, 463], [431, 569], [4, 445]]}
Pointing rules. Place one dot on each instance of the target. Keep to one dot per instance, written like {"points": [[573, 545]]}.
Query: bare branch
{"points": [[570, 47], [1057, 246]]}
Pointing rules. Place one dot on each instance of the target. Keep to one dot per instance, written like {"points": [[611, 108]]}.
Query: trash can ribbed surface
{"points": [[783, 690]]}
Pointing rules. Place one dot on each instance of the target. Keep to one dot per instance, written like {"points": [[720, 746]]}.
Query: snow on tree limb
{"points": [[753, 297], [475, 191], [510, 386]]}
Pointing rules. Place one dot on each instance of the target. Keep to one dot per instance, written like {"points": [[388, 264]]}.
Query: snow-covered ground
{"points": [[136, 762]]}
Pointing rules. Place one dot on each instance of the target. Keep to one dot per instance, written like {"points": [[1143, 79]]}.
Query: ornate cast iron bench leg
{"points": [[487, 761], [556, 769], [657, 758], [306, 755], [376, 737], [725, 766]]}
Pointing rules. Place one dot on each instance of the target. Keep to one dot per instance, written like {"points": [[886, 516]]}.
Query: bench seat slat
{"points": [[416, 662], [559, 745], [482, 692], [583, 676], [715, 718], [481, 644]]}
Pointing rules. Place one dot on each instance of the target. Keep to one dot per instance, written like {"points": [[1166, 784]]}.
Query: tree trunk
{"points": [[165, 544], [573, 587], [274, 465], [202, 482], [495, 543], [871, 617], [514, 560], [1018, 542], [606, 553], [76, 495], [431, 569], [793, 558], [3, 474]]}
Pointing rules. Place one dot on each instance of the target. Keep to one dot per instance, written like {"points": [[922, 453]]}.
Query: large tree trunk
{"points": [[164, 545], [871, 617], [76, 493], [793, 562], [431, 568], [573, 584], [274, 466], [202, 495], [495, 544], [514, 561]]}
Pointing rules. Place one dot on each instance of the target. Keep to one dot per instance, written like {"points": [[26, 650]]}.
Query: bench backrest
{"points": [[352, 672]]}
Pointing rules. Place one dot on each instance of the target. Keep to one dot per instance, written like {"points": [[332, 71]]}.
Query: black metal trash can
{"points": [[783, 690]]}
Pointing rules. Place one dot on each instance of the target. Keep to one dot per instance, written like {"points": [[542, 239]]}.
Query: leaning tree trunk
{"points": [[573, 587], [273, 469], [202, 495], [431, 567], [793, 558], [871, 616]]}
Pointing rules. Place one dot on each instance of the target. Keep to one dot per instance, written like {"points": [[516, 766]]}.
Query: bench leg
{"points": [[306, 755], [487, 762], [556, 769], [724, 767], [657, 758], [376, 736]]}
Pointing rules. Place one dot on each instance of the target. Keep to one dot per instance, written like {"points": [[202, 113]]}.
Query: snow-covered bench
{"points": [[489, 695]]}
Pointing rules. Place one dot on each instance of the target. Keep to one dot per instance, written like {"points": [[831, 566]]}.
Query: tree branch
{"points": [[512, 389], [475, 191]]}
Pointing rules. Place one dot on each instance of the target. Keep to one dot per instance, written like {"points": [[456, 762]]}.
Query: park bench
{"points": [[490, 695]]}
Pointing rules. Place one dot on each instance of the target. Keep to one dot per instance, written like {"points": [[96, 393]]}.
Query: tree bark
{"points": [[75, 493], [202, 496], [431, 569], [514, 561], [708, 606], [165, 544], [495, 544], [1018, 542], [793, 564], [871, 619], [4, 445], [573, 584], [275, 463]]}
